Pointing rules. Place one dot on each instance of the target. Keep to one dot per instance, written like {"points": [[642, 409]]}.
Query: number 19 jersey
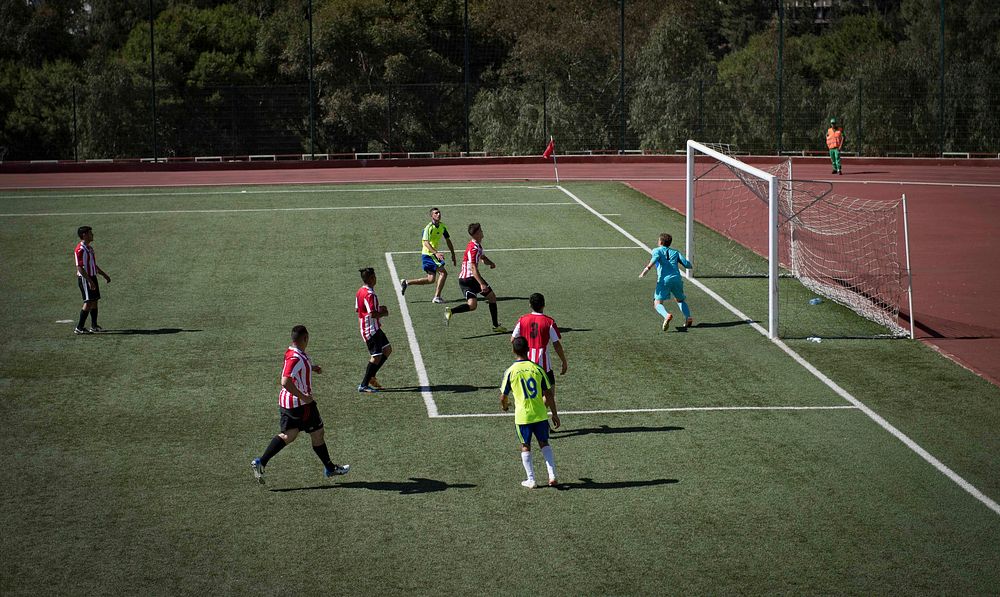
{"points": [[526, 382]]}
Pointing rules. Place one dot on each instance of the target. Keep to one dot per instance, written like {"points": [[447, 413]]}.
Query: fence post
{"points": [[781, 63], [621, 72], [76, 157], [152, 74], [545, 111], [467, 75], [312, 100], [941, 90], [860, 128], [701, 108]]}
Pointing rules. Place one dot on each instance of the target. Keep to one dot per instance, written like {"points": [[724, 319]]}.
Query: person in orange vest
{"points": [[834, 141]]}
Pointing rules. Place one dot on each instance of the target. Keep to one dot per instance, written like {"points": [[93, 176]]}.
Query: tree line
{"points": [[232, 77]]}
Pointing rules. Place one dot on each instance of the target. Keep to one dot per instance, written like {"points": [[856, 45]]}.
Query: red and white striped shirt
{"points": [[298, 366], [473, 253], [366, 304], [540, 331], [84, 256]]}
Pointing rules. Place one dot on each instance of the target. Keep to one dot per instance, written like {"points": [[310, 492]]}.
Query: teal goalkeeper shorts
{"points": [[673, 285]]}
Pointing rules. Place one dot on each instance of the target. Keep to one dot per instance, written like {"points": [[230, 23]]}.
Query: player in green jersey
{"points": [[431, 259], [533, 398]]}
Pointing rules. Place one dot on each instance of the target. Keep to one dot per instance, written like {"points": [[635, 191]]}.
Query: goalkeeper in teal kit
{"points": [[669, 280]]}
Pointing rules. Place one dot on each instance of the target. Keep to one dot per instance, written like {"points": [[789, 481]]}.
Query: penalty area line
{"points": [[912, 445], [411, 336], [656, 410]]}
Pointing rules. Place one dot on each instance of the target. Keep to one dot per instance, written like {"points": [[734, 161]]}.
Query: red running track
{"points": [[954, 211]]}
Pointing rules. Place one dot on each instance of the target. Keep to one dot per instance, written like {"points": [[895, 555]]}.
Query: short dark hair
{"points": [[666, 239], [432, 210], [82, 230], [520, 346], [537, 301], [473, 227], [366, 272], [299, 332]]}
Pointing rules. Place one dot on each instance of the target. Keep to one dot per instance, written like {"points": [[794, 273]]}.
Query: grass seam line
{"points": [[912, 445], [280, 191], [616, 411]]}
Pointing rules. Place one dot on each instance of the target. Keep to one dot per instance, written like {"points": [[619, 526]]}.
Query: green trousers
{"points": [[835, 158]]}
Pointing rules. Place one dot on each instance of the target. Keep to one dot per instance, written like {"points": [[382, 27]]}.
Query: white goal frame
{"points": [[774, 186]]}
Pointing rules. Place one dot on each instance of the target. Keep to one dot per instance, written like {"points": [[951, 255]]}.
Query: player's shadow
{"points": [[717, 324], [454, 388], [589, 483], [608, 430], [413, 486], [491, 334], [149, 332]]}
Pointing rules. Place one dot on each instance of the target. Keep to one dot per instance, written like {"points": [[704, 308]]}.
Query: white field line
{"points": [[492, 250], [418, 359], [658, 410], [275, 191], [912, 445], [276, 209]]}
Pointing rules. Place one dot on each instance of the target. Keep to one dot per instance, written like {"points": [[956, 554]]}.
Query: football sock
{"points": [[493, 314], [662, 310], [460, 308], [380, 364], [273, 448], [685, 309], [370, 372], [324, 455], [526, 461], [83, 319], [93, 316], [550, 461]]}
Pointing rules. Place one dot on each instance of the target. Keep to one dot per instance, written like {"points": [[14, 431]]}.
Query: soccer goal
{"points": [[811, 245]]}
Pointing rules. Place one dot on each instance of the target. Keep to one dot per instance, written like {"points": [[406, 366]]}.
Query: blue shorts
{"points": [[431, 263], [673, 285], [540, 429]]}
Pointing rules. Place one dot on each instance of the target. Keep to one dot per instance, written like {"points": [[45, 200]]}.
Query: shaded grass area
{"points": [[126, 454]]}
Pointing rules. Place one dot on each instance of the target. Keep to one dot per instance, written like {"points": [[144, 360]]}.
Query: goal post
{"points": [[694, 148], [852, 252]]}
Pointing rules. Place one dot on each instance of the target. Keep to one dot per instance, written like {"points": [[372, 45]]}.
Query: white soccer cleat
{"points": [[437, 300], [258, 470], [529, 483], [338, 469], [666, 322]]}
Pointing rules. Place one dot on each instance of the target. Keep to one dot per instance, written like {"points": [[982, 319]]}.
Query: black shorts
{"points": [[304, 418], [377, 343], [470, 287], [85, 291]]}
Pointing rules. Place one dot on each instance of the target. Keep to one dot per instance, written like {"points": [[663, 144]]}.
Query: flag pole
{"points": [[555, 164]]}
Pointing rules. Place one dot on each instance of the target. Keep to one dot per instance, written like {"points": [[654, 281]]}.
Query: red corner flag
{"points": [[549, 149]]}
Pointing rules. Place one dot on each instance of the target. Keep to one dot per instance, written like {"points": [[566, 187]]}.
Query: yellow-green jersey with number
{"points": [[526, 382], [433, 234]]}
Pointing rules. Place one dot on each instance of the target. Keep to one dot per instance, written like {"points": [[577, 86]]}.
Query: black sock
{"points": [[83, 319], [93, 316], [370, 372], [273, 448], [493, 314], [324, 455], [460, 308]]}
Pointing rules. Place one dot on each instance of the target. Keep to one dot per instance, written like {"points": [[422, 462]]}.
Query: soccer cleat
{"points": [[338, 469], [81, 331], [499, 329], [367, 389], [447, 316], [529, 483], [437, 300], [666, 322], [258, 470], [840, 171], [96, 329], [834, 172], [402, 282], [553, 483], [375, 384], [689, 322]]}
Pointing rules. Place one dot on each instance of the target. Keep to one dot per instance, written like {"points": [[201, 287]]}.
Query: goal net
{"points": [[811, 252]]}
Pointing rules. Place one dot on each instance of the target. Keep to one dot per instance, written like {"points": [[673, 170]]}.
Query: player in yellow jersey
{"points": [[533, 398], [432, 260]]}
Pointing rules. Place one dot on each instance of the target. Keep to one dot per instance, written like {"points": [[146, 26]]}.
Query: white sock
{"points": [[526, 461], [550, 461]]}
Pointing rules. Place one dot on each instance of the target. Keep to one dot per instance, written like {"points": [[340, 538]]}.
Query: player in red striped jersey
{"points": [[370, 312], [298, 408], [471, 282], [86, 278], [540, 330]]}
